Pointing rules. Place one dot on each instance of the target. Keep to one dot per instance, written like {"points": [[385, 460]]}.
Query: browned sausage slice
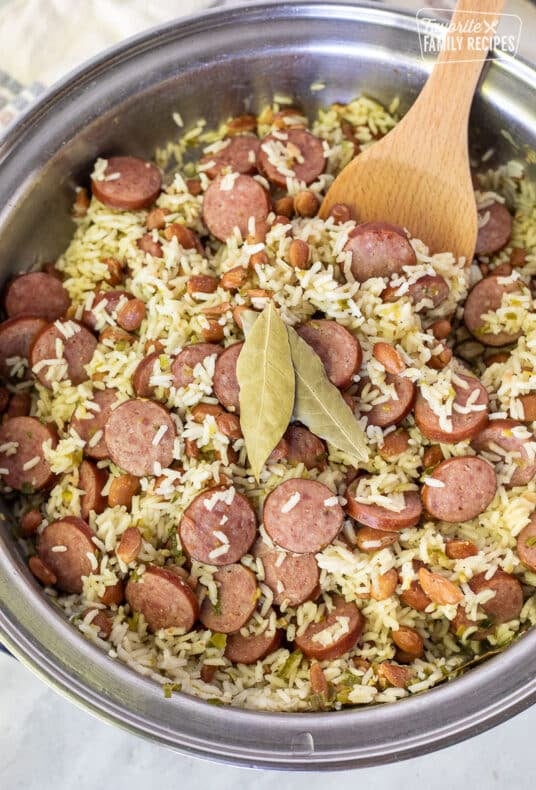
{"points": [[91, 480], [379, 250], [184, 363], [250, 649], [339, 351], [485, 297], [237, 598], [104, 303], [128, 183], [91, 429], [293, 578], [427, 292], [239, 155], [502, 434], [394, 410], [334, 636], [61, 351], [464, 426], [218, 527], [302, 516], [38, 294], [67, 548], [231, 202], [226, 387], [295, 153], [381, 518], [299, 446], [464, 488], [370, 540], [508, 600], [22, 459], [526, 545], [495, 234], [140, 436], [163, 598], [142, 376], [16, 338]]}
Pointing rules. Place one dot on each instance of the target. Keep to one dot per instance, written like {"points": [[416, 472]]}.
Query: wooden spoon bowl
{"points": [[418, 176]]}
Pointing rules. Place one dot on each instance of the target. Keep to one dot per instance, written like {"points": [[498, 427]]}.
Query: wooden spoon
{"points": [[418, 176]]}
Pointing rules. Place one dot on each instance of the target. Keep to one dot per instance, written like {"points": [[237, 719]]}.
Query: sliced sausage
{"points": [[16, 338], [370, 540], [508, 600], [299, 446], [431, 288], [496, 233], [526, 545], [239, 155], [334, 636], [225, 209], [226, 387], [502, 434], [128, 183], [135, 437], [394, 444], [293, 578], [381, 518], [142, 375], [215, 513], [37, 294], [237, 598], [66, 546], [104, 303], [302, 516], [163, 598], [184, 363], [26, 469], [485, 297], [20, 405], [463, 426], [467, 486], [91, 428], [58, 354], [250, 649], [339, 350], [379, 250], [91, 480], [294, 153], [394, 410]]}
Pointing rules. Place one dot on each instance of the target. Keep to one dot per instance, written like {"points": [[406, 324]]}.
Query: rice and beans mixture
{"points": [[319, 585]]}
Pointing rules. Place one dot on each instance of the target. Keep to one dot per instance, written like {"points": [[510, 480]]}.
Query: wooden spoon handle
{"points": [[445, 101], [472, 26]]}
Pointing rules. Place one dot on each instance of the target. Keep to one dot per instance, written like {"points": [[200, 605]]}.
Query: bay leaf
{"points": [[267, 384], [248, 319], [320, 406]]}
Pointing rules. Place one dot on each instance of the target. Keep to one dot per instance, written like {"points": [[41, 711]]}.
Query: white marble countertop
{"points": [[46, 742]]}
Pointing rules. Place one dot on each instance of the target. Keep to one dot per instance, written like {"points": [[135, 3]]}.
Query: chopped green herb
{"points": [[218, 640], [292, 663], [27, 488], [169, 688], [530, 542], [215, 701], [133, 622], [173, 545]]}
